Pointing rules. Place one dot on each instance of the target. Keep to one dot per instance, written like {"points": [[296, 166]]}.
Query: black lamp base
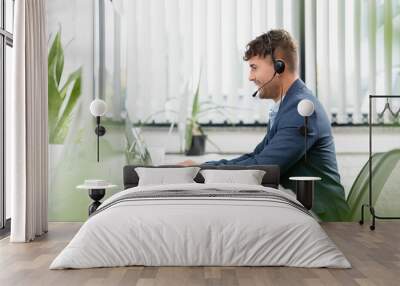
{"points": [[305, 193], [96, 195]]}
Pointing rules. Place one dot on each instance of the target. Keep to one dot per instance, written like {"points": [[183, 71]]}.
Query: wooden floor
{"points": [[375, 257]]}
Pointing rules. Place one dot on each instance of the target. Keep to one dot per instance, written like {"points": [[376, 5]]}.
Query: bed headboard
{"points": [[270, 179]]}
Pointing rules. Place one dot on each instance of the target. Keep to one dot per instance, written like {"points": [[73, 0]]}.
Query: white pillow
{"points": [[165, 176], [248, 177]]}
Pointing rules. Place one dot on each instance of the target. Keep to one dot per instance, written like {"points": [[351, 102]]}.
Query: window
{"points": [[6, 43]]}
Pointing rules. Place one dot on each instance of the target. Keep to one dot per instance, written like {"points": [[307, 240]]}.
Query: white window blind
{"points": [[174, 45], [352, 49], [357, 46]]}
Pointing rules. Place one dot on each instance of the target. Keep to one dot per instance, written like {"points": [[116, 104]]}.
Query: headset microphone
{"points": [[255, 93]]}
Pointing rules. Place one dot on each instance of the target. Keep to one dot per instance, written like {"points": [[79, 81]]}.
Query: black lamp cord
{"points": [[305, 137], [98, 137]]}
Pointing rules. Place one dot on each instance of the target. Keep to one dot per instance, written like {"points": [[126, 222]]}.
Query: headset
{"points": [[279, 65]]}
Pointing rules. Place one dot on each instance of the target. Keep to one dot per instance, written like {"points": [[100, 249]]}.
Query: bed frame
{"points": [[270, 179]]}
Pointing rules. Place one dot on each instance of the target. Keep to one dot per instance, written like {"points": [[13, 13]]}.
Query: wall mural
{"points": [[72, 140], [86, 62]]}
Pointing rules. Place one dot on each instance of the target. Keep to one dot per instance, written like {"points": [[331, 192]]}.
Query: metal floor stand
{"points": [[370, 205]]}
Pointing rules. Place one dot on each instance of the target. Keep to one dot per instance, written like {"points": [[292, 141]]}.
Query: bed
{"points": [[198, 224]]}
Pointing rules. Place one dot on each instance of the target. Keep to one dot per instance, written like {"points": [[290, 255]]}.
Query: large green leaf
{"points": [[383, 164], [70, 103], [56, 59], [54, 99], [52, 58], [58, 97], [60, 62], [54, 103]]}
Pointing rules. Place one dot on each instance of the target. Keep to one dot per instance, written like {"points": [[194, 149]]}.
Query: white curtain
{"points": [[27, 123], [173, 43]]}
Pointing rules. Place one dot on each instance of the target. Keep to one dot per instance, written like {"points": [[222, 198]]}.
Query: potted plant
{"points": [[195, 137]]}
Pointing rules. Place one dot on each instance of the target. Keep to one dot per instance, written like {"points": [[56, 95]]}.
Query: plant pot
{"points": [[198, 145]]}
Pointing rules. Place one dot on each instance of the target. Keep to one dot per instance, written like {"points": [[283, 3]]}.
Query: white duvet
{"points": [[200, 231]]}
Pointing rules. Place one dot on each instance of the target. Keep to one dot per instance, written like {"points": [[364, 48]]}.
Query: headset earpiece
{"points": [[279, 66]]}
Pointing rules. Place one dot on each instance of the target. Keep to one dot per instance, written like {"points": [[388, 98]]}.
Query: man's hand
{"points": [[188, 163]]}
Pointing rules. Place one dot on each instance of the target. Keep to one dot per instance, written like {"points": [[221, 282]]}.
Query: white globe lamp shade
{"points": [[98, 107], [305, 107]]}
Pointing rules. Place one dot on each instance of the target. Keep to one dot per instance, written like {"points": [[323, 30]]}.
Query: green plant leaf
{"points": [[56, 59], [189, 135], [54, 99], [52, 57], [61, 132], [196, 104], [72, 78], [54, 103], [58, 98], [70, 102], [60, 60], [383, 167]]}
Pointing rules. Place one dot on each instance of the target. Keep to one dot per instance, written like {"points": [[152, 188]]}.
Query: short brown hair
{"points": [[271, 42]]}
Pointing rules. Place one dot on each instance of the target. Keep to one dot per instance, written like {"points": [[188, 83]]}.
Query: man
{"points": [[273, 62]]}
